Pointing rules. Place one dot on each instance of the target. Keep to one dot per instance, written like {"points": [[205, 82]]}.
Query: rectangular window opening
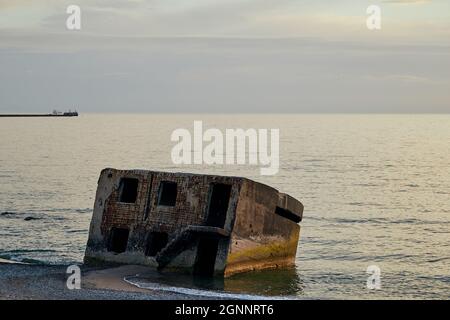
{"points": [[128, 190], [167, 194], [218, 205]]}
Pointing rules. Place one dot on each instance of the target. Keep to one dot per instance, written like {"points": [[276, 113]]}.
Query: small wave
{"points": [[313, 160], [29, 250], [417, 221], [87, 210], [439, 259], [8, 213], [366, 185], [380, 220], [78, 231], [32, 261], [368, 220], [198, 292], [395, 256], [30, 218], [435, 231], [19, 215], [364, 204], [61, 210], [13, 258], [441, 278], [69, 210]]}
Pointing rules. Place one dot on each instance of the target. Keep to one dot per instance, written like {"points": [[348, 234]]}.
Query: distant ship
{"points": [[69, 113], [55, 113]]}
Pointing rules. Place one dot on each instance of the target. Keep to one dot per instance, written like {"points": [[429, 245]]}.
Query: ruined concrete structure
{"points": [[201, 224]]}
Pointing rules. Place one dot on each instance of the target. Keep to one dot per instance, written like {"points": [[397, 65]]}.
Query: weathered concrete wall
{"points": [[109, 213], [145, 215], [260, 229], [262, 239]]}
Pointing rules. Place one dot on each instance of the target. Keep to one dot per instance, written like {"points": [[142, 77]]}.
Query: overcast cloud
{"points": [[225, 56]]}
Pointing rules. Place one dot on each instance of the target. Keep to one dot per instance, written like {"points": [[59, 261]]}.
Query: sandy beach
{"points": [[44, 282]]}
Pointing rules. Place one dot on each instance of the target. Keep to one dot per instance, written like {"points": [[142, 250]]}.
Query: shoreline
{"points": [[19, 281]]}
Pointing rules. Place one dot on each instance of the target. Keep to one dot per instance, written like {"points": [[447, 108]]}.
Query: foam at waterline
{"points": [[9, 261], [199, 292]]}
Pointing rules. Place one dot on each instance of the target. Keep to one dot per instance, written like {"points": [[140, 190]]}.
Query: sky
{"points": [[225, 56]]}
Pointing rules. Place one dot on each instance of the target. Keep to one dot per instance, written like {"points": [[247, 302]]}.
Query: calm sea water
{"points": [[376, 190]]}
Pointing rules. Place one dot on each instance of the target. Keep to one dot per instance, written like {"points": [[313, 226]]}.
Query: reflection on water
{"points": [[278, 282]]}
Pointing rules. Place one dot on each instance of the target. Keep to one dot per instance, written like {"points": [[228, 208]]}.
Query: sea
{"points": [[375, 187]]}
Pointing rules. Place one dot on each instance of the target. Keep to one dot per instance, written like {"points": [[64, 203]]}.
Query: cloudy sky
{"points": [[225, 56]]}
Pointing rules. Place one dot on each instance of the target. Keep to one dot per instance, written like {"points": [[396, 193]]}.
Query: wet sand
{"points": [[44, 282]]}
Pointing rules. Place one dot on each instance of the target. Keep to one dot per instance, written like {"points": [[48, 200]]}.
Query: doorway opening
{"points": [[206, 257], [118, 240], [218, 205], [156, 241]]}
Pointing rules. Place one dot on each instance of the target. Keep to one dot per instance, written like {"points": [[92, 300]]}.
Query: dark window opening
{"points": [[206, 257], [118, 240], [156, 241], [287, 214], [218, 205], [167, 193], [128, 190]]}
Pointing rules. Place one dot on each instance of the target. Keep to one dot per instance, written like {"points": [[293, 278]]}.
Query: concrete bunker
{"points": [[199, 224]]}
